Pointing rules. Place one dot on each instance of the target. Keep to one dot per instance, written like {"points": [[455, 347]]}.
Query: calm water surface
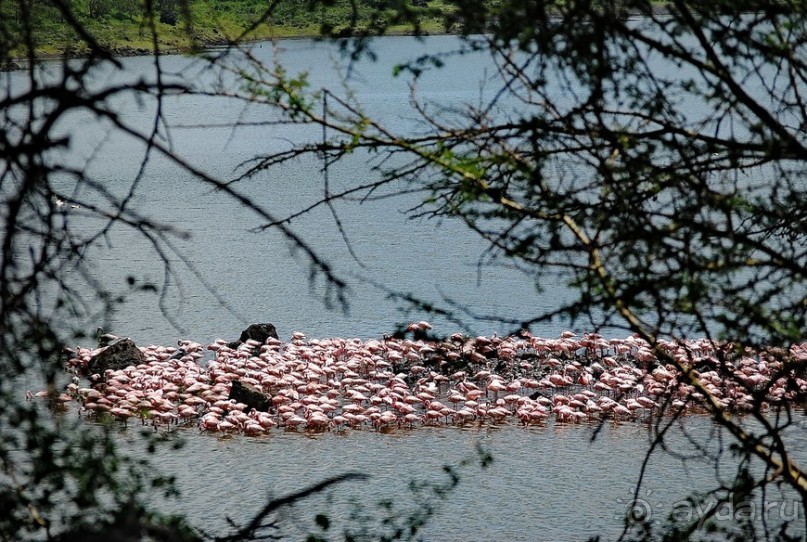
{"points": [[545, 483], [258, 275]]}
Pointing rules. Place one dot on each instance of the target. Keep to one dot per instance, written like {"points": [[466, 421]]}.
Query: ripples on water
{"points": [[257, 274], [545, 483]]}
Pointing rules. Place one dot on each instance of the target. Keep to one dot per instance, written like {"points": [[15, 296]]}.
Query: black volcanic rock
{"points": [[256, 332], [250, 396], [117, 355]]}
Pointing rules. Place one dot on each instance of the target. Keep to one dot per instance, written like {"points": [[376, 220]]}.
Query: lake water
{"points": [[545, 483], [257, 274]]}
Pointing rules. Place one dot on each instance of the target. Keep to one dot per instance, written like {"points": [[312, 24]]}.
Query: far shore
{"points": [[174, 41], [124, 49]]}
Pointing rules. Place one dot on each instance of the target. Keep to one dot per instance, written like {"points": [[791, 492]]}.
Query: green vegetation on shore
{"points": [[126, 26]]}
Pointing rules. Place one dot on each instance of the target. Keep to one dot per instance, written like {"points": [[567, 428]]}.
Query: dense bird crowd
{"points": [[399, 383]]}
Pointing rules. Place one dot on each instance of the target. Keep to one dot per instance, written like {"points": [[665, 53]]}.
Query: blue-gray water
{"points": [[258, 274], [547, 483], [544, 483]]}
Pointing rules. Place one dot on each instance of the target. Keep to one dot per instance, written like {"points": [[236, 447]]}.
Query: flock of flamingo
{"points": [[340, 384]]}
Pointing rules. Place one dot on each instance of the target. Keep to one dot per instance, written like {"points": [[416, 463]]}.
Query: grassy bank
{"points": [[127, 27], [121, 26]]}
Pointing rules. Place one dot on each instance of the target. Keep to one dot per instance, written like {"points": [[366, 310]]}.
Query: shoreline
{"points": [[125, 50]]}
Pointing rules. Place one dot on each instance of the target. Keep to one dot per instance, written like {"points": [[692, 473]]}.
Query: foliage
{"points": [[654, 163], [124, 26], [61, 479], [652, 158]]}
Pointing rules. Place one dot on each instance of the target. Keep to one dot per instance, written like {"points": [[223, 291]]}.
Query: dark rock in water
{"points": [[179, 354], [117, 355], [250, 396], [256, 332], [259, 332]]}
